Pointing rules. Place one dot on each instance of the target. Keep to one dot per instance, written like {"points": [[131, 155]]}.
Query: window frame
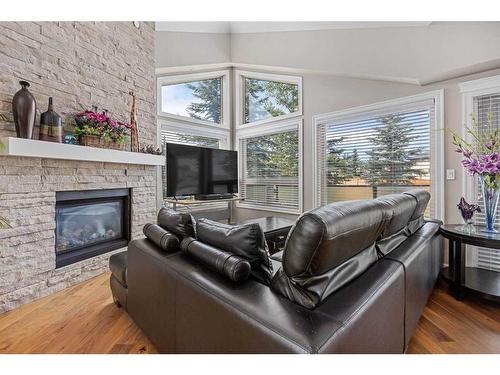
{"points": [[177, 127], [470, 90], [239, 86], [384, 108], [281, 127], [191, 77]]}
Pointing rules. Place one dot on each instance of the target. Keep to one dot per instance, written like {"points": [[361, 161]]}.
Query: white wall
{"points": [[180, 48], [327, 93], [439, 51]]}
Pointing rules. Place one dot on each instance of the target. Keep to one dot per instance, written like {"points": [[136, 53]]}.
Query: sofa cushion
{"points": [[401, 208], [164, 239], [420, 257], [118, 267], [246, 241], [328, 247], [194, 310], [179, 223], [231, 266], [422, 198]]}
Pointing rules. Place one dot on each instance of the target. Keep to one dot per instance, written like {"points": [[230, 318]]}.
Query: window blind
{"points": [[269, 167], [375, 154], [485, 106]]}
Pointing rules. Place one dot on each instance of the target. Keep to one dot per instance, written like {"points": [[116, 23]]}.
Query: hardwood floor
{"points": [[453, 327], [83, 319]]}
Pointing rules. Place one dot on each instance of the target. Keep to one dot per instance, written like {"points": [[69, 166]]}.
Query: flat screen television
{"points": [[195, 170]]}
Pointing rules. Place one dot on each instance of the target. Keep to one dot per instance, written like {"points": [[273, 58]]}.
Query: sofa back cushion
{"points": [[246, 241], [422, 199], [179, 223], [328, 247], [401, 208]]}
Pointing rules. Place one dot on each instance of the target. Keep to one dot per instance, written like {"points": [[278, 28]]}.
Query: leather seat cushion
{"points": [[246, 241], [179, 223], [118, 267]]}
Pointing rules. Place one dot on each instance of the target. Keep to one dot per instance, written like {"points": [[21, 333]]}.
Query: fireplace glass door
{"points": [[90, 223], [83, 225]]}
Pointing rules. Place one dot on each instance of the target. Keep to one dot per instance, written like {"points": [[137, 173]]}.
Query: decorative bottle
{"points": [[24, 111], [50, 125]]}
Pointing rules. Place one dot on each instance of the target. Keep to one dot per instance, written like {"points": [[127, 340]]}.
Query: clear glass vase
{"points": [[490, 199]]}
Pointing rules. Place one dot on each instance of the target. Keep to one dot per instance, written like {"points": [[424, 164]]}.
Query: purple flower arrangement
{"points": [[101, 125], [482, 158], [484, 164]]}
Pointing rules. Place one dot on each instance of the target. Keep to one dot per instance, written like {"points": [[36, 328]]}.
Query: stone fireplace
{"points": [[79, 64], [30, 196], [90, 223]]}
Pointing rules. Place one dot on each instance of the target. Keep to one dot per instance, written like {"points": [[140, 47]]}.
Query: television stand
{"points": [[211, 197], [192, 203]]}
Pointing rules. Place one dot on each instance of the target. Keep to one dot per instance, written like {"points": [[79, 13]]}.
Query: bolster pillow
{"points": [[229, 265], [162, 238]]}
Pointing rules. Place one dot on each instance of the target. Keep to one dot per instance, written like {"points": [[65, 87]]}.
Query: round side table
{"points": [[483, 282]]}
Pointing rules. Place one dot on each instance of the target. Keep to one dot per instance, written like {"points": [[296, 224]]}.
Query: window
{"points": [[381, 149], [201, 98], [193, 109], [270, 168], [269, 141], [481, 98], [264, 98]]}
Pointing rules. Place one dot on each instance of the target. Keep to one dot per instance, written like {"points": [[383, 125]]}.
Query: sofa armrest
{"points": [[432, 220]]}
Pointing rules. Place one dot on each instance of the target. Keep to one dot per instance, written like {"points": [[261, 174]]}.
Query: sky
{"points": [[176, 99]]}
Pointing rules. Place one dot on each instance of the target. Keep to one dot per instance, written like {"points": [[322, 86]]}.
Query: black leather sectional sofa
{"points": [[353, 277]]}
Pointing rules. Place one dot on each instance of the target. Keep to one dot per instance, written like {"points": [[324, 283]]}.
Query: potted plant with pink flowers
{"points": [[481, 157], [99, 130]]}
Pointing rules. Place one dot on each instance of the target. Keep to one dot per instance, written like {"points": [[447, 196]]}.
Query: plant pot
{"points": [[99, 142]]}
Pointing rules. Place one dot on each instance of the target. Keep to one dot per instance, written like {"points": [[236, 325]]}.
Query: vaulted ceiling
{"points": [[413, 52]]}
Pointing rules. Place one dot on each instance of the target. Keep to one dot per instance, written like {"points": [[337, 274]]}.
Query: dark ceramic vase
{"points": [[50, 125], [24, 110]]}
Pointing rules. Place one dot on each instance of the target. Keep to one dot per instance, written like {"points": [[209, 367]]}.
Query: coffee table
{"points": [[275, 230]]}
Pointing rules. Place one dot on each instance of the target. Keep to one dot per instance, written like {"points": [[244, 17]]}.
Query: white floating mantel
{"points": [[50, 150]]}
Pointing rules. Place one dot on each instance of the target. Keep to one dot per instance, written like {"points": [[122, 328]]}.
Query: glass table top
{"points": [[476, 231]]}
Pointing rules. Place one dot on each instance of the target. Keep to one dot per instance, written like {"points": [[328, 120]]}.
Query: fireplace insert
{"points": [[90, 223]]}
